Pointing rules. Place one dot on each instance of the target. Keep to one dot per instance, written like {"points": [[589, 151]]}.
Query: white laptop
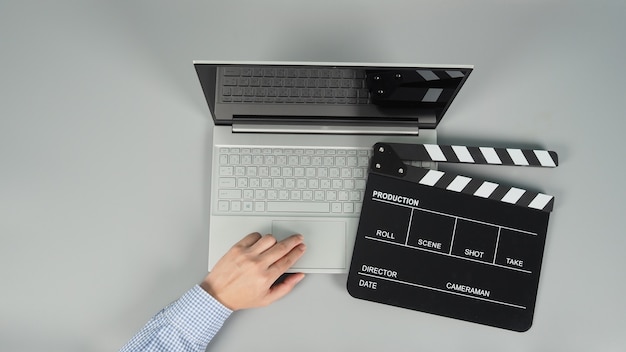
{"points": [[292, 140]]}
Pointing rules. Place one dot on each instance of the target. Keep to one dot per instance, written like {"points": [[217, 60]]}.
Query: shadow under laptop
{"points": [[339, 280]]}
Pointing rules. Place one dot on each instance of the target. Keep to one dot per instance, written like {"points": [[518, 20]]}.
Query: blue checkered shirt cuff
{"points": [[187, 324]]}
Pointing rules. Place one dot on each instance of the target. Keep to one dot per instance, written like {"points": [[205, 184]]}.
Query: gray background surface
{"points": [[104, 153]]}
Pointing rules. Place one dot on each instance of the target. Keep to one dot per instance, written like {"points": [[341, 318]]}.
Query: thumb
{"points": [[279, 290]]}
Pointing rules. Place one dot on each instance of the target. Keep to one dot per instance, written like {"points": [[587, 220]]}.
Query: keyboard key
{"points": [[242, 81], [229, 194], [231, 71], [307, 207], [230, 81], [293, 160], [226, 182], [226, 171]]}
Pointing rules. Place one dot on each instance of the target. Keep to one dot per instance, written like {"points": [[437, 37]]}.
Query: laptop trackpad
{"points": [[325, 242]]}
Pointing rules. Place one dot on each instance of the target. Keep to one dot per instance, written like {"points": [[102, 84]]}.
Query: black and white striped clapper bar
{"points": [[485, 155], [449, 244]]}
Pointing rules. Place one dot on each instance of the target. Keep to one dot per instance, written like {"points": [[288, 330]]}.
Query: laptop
{"points": [[292, 142]]}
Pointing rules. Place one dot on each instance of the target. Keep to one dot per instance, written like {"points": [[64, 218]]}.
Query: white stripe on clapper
{"points": [[486, 189], [463, 154], [517, 156], [513, 195], [490, 155], [428, 75], [458, 183], [540, 201], [435, 153], [431, 177], [544, 158]]}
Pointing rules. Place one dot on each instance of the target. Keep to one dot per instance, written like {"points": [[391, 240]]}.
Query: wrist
{"points": [[210, 289]]}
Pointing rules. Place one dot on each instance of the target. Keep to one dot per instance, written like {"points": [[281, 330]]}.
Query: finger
{"points": [[281, 248], [249, 240], [279, 290], [264, 243], [288, 260]]}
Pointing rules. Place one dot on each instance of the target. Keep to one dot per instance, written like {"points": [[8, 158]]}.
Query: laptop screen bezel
{"points": [[208, 77]]}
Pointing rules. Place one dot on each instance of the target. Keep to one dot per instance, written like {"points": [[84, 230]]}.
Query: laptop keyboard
{"points": [[293, 85], [262, 180]]}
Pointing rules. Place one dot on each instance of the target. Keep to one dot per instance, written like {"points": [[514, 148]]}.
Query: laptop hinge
{"points": [[318, 129], [427, 121]]}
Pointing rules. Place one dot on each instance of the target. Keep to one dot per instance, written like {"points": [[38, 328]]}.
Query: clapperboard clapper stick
{"points": [[448, 244]]}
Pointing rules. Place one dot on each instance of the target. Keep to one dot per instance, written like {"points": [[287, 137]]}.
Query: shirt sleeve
{"points": [[187, 324]]}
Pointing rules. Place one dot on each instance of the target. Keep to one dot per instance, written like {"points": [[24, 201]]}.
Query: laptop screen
{"points": [[329, 93]]}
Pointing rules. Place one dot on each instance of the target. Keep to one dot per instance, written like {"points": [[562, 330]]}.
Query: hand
{"points": [[244, 276]]}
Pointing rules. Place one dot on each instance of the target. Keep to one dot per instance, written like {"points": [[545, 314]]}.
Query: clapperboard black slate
{"points": [[448, 244]]}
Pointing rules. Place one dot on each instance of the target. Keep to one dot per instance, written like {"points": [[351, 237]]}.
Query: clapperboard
{"points": [[447, 244]]}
